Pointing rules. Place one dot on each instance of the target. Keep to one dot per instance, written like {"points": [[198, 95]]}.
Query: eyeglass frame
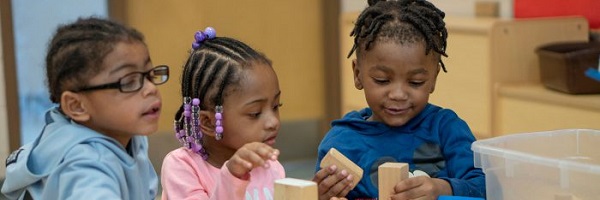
{"points": [[117, 84]]}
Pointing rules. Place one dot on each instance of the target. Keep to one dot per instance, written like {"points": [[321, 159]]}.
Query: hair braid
{"points": [[213, 67], [403, 21]]}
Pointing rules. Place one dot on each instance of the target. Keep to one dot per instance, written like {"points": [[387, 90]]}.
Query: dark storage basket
{"points": [[563, 66]]}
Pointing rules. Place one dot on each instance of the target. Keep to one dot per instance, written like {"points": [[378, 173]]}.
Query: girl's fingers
{"points": [[250, 156]]}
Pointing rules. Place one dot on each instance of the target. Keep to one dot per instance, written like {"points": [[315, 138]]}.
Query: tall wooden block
{"points": [[295, 189], [390, 174], [337, 158]]}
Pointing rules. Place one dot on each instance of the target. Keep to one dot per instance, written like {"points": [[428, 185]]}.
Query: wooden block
{"points": [[295, 189], [565, 197], [486, 9], [389, 174], [339, 160]]}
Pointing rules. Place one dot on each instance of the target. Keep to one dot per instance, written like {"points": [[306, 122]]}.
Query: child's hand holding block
{"points": [[295, 189], [389, 175], [334, 157]]}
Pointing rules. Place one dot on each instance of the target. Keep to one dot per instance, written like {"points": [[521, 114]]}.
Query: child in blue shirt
{"points": [[398, 47], [94, 144]]}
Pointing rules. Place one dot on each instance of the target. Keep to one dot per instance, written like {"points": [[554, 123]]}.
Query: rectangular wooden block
{"points": [[487, 9], [295, 189], [389, 174], [337, 158], [565, 197]]}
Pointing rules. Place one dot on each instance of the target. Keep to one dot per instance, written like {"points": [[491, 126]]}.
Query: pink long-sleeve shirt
{"points": [[185, 175]]}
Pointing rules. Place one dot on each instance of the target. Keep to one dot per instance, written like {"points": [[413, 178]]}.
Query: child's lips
{"points": [[153, 111], [271, 140], [397, 111]]}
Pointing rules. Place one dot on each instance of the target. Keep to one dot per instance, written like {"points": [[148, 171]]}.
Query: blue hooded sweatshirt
{"points": [[435, 141], [70, 161]]}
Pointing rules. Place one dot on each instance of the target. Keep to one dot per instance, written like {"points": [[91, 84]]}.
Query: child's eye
{"points": [[254, 115], [416, 83], [276, 107], [381, 80]]}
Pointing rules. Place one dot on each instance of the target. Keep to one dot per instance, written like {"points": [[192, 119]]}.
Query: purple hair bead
{"points": [[210, 32], [199, 37], [196, 147]]}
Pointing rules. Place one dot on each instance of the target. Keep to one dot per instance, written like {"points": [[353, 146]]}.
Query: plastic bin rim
{"points": [[480, 147]]}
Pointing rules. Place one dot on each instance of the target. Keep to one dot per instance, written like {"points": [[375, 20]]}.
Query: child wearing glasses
{"points": [[227, 124], [94, 144]]}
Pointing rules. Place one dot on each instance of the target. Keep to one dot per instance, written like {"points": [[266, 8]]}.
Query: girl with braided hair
{"points": [[227, 125], [399, 45]]}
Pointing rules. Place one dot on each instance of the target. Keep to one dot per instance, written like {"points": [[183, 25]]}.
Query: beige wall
{"points": [[288, 32]]}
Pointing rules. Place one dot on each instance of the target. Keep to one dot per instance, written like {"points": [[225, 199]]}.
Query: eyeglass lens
{"points": [[135, 81]]}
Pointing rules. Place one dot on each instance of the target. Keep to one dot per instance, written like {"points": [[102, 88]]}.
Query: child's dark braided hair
{"points": [[403, 21], [215, 66], [77, 50]]}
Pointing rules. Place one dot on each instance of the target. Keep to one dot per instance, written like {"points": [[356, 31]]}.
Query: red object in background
{"points": [[547, 8]]}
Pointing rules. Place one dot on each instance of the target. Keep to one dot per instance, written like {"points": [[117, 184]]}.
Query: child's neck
{"points": [[219, 158], [215, 161]]}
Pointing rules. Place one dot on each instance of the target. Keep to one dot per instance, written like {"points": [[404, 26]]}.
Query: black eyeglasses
{"points": [[133, 82]]}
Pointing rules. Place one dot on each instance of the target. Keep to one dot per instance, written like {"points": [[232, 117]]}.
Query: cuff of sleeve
{"points": [[228, 176], [230, 179], [460, 188], [455, 185]]}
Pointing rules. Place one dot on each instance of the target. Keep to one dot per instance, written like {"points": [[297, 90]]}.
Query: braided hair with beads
{"points": [[212, 68], [402, 21]]}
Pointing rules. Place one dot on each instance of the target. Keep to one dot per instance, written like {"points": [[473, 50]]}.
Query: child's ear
{"points": [[356, 73], [207, 123], [435, 78], [73, 105]]}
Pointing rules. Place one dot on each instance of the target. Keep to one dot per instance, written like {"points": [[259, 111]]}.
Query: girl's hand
{"points": [[250, 156], [333, 183], [422, 188]]}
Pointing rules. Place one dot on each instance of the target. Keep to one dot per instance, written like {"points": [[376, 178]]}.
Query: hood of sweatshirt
{"points": [[36, 160]]}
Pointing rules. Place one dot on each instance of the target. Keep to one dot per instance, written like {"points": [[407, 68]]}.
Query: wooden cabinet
{"points": [[530, 107]]}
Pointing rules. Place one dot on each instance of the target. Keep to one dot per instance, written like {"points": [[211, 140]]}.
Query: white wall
{"points": [[34, 22], [450, 7], [4, 147]]}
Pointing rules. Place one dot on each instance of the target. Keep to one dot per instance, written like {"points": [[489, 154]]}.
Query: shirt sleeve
{"points": [[464, 178]]}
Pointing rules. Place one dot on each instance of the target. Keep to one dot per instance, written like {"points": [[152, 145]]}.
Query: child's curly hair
{"points": [[77, 50], [402, 21]]}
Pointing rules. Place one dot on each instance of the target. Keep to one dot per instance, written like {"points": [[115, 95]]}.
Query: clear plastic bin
{"points": [[555, 165]]}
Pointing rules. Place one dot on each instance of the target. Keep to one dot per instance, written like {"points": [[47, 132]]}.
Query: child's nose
{"points": [[398, 93], [272, 122], [149, 88]]}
